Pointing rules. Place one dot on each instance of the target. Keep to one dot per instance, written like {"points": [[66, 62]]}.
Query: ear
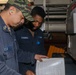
{"points": [[12, 10]]}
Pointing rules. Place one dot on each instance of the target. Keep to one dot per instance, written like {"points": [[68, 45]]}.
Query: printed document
{"points": [[50, 66]]}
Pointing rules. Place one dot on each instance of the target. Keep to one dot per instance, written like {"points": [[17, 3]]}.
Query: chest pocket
{"points": [[8, 52], [39, 40]]}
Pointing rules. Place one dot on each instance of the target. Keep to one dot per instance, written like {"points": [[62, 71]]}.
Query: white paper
{"points": [[51, 66]]}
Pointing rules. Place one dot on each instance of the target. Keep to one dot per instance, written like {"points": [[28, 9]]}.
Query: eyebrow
{"points": [[37, 21]]}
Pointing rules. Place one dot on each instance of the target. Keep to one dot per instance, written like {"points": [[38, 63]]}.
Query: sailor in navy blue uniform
{"points": [[31, 41]]}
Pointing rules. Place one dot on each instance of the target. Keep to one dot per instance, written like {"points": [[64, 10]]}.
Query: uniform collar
{"points": [[5, 28]]}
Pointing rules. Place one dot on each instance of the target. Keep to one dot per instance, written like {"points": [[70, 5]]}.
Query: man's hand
{"points": [[39, 57], [29, 72]]}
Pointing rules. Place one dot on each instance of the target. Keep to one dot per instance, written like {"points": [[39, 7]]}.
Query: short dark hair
{"points": [[7, 6], [38, 11]]}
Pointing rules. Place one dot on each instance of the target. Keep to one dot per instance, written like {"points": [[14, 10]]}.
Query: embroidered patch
{"points": [[24, 37], [40, 37]]}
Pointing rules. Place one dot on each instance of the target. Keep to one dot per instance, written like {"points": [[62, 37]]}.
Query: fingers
{"points": [[29, 72], [39, 57], [43, 56]]}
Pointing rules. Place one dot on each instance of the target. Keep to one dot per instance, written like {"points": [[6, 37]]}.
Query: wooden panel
{"points": [[53, 49]]}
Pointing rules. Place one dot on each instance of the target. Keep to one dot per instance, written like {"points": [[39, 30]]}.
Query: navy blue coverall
{"points": [[8, 51], [30, 46]]}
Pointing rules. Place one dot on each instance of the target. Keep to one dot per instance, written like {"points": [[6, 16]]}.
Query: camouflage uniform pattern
{"points": [[22, 5]]}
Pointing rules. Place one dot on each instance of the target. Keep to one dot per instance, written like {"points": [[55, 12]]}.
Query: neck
{"points": [[31, 32]]}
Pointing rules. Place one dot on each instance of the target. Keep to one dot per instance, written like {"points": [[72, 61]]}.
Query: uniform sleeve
{"points": [[26, 57], [4, 69]]}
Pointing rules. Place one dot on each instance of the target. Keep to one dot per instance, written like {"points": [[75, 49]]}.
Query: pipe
{"points": [[55, 27]]}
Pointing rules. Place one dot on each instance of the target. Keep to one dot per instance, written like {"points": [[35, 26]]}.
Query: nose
{"points": [[37, 24]]}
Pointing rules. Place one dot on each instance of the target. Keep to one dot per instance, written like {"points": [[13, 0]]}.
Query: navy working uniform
{"points": [[8, 50], [31, 46]]}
